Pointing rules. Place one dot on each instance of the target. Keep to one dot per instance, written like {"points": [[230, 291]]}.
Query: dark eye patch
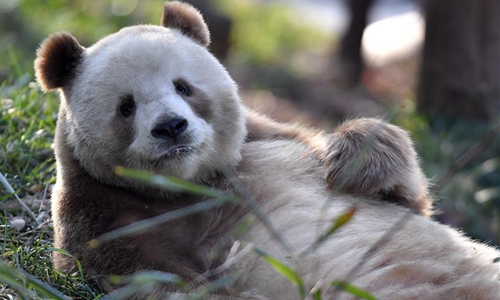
{"points": [[182, 88], [127, 105]]}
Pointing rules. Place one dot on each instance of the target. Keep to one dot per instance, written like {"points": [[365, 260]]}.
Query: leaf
{"points": [[352, 289], [337, 223], [284, 270]]}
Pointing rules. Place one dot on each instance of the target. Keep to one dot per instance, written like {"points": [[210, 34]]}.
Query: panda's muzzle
{"points": [[171, 129]]}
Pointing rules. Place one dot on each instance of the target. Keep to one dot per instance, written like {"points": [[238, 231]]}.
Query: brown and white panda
{"points": [[153, 98]]}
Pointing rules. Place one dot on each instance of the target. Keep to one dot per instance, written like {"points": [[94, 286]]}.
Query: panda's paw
{"points": [[370, 156]]}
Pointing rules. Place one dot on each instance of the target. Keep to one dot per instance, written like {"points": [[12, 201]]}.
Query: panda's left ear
{"points": [[187, 19]]}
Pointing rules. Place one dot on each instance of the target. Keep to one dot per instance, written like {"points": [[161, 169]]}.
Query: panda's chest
{"points": [[273, 170]]}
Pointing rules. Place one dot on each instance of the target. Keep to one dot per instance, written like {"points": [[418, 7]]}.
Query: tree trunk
{"points": [[460, 75], [219, 25], [351, 61]]}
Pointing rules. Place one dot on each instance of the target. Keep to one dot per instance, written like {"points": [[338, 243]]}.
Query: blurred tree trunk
{"points": [[351, 61], [460, 74], [219, 25]]}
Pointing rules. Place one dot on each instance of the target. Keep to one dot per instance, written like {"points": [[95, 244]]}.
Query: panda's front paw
{"points": [[369, 156]]}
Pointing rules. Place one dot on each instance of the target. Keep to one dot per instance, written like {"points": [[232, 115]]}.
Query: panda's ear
{"points": [[187, 19], [57, 58]]}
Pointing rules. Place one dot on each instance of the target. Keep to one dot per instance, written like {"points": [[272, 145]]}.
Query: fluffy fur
{"points": [[122, 101], [58, 61], [369, 156], [187, 19]]}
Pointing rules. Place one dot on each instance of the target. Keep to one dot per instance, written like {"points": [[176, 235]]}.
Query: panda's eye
{"points": [[181, 88], [127, 105]]}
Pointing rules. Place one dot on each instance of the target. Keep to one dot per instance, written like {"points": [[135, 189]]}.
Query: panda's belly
{"points": [[287, 181], [274, 170], [289, 184]]}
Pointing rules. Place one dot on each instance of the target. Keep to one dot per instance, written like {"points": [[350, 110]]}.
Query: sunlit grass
{"points": [[27, 124]]}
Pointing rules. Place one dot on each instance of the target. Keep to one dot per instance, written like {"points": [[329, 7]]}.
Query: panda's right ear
{"points": [[187, 19], [57, 58]]}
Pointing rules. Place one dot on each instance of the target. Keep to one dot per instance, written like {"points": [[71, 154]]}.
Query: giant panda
{"points": [[153, 98]]}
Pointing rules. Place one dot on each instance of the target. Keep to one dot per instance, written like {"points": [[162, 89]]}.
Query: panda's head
{"points": [[147, 97]]}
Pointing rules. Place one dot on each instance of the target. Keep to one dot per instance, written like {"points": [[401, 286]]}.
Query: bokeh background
{"points": [[432, 67]]}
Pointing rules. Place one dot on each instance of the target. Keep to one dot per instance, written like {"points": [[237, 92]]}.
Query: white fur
{"points": [[422, 260], [144, 61]]}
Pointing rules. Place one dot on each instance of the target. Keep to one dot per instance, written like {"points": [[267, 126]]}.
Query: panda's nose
{"points": [[170, 129]]}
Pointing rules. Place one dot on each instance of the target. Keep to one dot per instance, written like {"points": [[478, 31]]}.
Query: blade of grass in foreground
{"points": [[353, 290], [175, 184], [257, 210], [141, 226], [141, 281], [337, 223], [10, 190], [213, 287], [81, 273], [11, 277], [284, 270], [317, 295], [168, 183]]}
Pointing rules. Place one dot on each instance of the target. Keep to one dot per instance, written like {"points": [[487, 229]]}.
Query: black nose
{"points": [[170, 129]]}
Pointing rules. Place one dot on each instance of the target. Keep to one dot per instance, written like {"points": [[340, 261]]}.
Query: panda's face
{"points": [[150, 98]]}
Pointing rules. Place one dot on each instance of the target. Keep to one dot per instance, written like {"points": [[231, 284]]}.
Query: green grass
{"points": [[27, 124], [470, 200]]}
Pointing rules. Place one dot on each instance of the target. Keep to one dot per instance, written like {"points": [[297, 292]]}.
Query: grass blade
{"points": [[81, 272], [284, 270], [317, 295], [214, 286], [337, 223], [175, 184], [172, 184], [11, 276], [141, 226], [141, 281], [257, 210], [352, 289], [10, 190]]}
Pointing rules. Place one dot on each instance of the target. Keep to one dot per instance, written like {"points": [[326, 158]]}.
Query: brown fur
{"points": [[369, 156], [201, 104], [187, 19], [57, 59]]}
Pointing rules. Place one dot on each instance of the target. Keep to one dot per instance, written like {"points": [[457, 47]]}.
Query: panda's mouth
{"points": [[177, 151]]}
